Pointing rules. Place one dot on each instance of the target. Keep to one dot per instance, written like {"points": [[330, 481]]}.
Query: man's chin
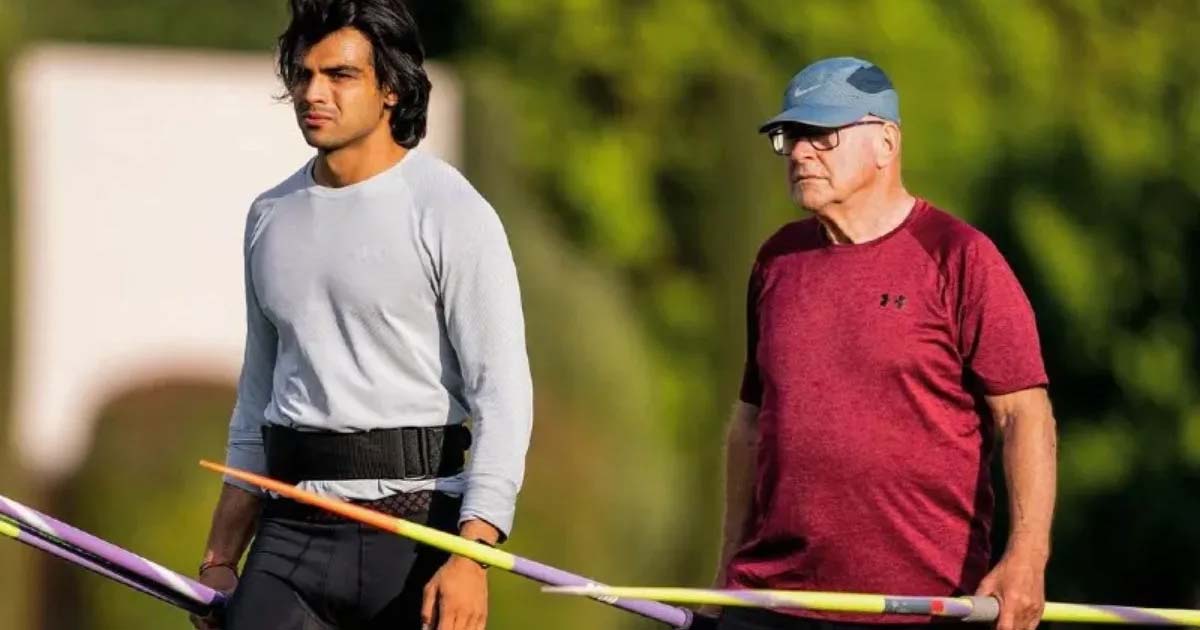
{"points": [[323, 146], [322, 143], [810, 202]]}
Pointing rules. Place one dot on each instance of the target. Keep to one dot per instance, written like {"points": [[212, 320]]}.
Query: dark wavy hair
{"points": [[398, 55]]}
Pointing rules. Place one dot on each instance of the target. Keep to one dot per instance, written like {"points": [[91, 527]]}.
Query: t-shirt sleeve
{"points": [[751, 392], [998, 333]]}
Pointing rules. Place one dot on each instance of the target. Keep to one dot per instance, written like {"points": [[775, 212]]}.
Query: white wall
{"points": [[134, 171]]}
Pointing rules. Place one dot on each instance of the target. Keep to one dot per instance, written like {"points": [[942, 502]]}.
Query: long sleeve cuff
{"points": [[246, 455], [490, 498]]}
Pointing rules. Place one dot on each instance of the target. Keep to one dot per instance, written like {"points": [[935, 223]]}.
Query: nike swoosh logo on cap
{"points": [[801, 92]]}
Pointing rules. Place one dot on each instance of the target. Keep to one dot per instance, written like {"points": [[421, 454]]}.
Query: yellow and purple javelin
{"points": [[981, 609], [47, 534], [673, 616]]}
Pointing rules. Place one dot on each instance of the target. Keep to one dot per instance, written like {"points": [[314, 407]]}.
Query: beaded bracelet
{"points": [[208, 564]]}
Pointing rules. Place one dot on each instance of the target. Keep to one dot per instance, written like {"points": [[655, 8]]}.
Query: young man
{"points": [[382, 312], [888, 344]]}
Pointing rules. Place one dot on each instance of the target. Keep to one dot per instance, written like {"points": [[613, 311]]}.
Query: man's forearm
{"points": [[233, 523], [1030, 469], [741, 443]]}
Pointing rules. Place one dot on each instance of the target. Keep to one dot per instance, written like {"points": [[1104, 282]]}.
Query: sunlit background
{"points": [[617, 140]]}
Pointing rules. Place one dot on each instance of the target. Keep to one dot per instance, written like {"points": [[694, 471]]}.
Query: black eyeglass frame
{"points": [[783, 142]]}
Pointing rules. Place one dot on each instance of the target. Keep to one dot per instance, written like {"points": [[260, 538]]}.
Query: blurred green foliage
{"points": [[617, 140]]}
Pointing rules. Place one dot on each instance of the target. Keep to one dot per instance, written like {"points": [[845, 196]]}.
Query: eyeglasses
{"points": [[784, 137]]}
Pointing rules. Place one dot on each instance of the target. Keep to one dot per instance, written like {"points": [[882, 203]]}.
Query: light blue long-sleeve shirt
{"points": [[391, 302]]}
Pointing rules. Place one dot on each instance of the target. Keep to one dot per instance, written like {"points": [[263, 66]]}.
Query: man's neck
{"points": [[866, 216], [357, 162]]}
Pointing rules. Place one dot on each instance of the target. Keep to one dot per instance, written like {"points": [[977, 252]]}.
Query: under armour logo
{"points": [[899, 300]]}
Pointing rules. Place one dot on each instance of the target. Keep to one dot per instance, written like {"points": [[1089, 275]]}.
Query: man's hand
{"points": [[1018, 581], [219, 578], [456, 598], [233, 523]]}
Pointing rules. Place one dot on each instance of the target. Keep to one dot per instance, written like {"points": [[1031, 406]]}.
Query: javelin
{"points": [[679, 618], [58, 549], [110, 556], [962, 608]]}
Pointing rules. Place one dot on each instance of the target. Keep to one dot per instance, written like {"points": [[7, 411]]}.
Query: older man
{"points": [[889, 346]]}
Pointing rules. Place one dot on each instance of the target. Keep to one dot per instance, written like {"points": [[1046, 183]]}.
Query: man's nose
{"points": [[802, 150], [315, 91]]}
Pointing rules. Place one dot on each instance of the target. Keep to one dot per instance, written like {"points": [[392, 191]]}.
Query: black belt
{"points": [[404, 505], [411, 453]]}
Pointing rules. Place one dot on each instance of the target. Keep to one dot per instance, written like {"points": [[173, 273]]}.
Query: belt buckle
{"points": [[422, 454]]}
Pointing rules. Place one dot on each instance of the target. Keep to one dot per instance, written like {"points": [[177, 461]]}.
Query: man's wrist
{"points": [[1029, 549], [481, 531], [457, 559], [208, 565]]}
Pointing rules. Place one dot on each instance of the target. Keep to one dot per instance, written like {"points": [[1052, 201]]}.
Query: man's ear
{"points": [[391, 99], [887, 147]]}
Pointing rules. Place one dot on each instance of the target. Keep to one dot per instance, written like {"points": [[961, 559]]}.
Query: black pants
{"points": [[337, 575], [761, 619]]}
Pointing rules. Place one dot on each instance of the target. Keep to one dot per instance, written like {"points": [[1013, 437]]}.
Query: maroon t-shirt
{"points": [[868, 363]]}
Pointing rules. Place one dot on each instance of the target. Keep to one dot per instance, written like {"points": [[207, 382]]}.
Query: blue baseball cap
{"points": [[835, 92]]}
